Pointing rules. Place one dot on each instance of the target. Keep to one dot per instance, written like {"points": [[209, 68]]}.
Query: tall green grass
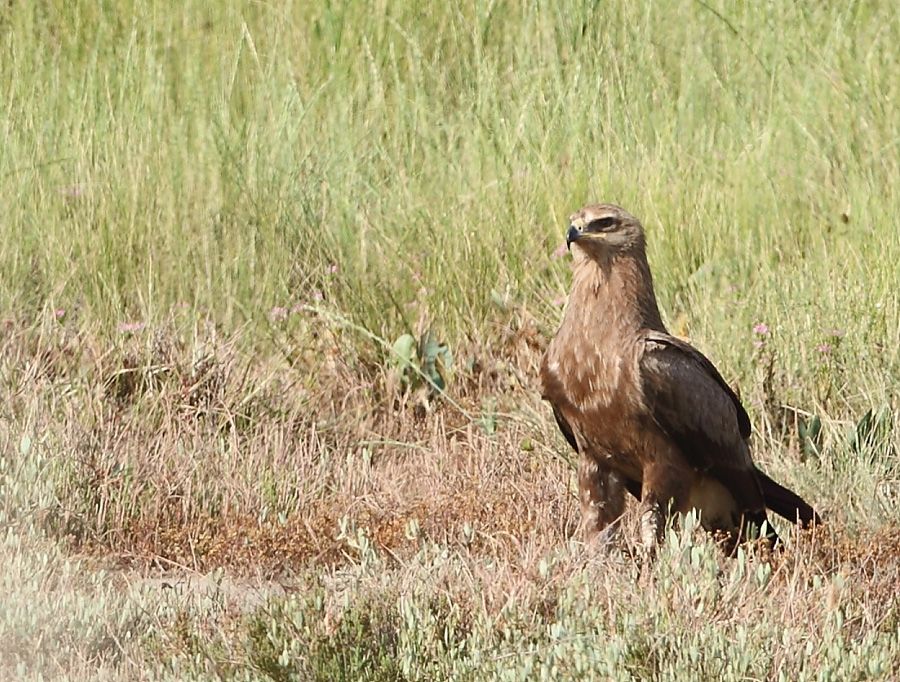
{"points": [[409, 169], [227, 154]]}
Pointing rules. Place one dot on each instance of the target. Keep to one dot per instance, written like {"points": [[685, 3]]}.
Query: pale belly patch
{"points": [[717, 507]]}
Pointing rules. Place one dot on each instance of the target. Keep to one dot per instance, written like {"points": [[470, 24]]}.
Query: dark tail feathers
{"points": [[787, 503]]}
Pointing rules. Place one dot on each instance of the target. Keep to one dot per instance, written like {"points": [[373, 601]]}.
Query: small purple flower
{"points": [[332, 269], [824, 348], [131, 327], [761, 328], [758, 343], [72, 191], [278, 313], [59, 313], [317, 295], [559, 251]]}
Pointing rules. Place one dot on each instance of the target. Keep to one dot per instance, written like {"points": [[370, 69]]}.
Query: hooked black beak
{"points": [[572, 236]]}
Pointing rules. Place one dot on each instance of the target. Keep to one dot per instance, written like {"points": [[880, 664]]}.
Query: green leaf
{"points": [[444, 363], [404, 349], [488, 422], [810, 433], [488, 419], [872, 430], [436, 361], [499, 300]]}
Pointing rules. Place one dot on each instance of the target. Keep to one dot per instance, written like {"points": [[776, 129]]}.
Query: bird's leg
{"points": [[602, 495], [653, 524], [662, 490]]}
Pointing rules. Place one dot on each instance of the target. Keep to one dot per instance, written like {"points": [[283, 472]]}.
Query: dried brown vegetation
{"points": [[190, 454], [174, 451]]}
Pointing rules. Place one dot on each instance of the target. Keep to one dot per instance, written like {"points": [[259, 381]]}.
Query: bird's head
{"points": [[604, 230]]}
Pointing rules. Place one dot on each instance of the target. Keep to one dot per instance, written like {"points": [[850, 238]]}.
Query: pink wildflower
{"points": [[761, 328], [278, 313], [131, 327], [59, 313], [72, 191]]}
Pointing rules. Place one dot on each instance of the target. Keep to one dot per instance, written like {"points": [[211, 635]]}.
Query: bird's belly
{"points": [[622, 443], [618, 458], [717, 507]]}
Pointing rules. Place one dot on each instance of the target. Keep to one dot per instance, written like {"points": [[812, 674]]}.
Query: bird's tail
{"points": [[787, 503]]}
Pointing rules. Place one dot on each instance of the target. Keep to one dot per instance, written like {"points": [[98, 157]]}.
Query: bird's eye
{"points": [[601, 224]]}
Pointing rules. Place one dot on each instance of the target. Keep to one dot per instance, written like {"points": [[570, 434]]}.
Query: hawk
{"points": [[648, 412]]}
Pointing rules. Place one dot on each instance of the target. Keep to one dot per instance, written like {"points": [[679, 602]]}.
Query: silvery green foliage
{"points": [[688, 615], [55, 616]]}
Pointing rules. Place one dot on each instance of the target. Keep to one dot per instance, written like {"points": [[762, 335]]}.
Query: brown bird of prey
{"points": [[648, 412]]}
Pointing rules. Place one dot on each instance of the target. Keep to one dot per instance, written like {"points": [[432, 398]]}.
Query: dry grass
{"points": [[179, 450], [339, 497], [182, 457]]}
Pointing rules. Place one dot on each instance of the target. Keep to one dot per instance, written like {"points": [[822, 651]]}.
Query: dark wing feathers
{"points": [[703, 362], [690, 401], [694, 405], [564, 427]]}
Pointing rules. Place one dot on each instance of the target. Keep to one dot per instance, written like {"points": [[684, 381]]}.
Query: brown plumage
{"points": [[647, 411]]}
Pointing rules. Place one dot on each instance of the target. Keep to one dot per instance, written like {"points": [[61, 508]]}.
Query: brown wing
{"points": [[564, 427], [691, 402], [703, 363]]}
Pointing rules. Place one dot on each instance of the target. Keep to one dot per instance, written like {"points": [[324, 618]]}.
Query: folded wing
{"points": [[691, 402]]}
